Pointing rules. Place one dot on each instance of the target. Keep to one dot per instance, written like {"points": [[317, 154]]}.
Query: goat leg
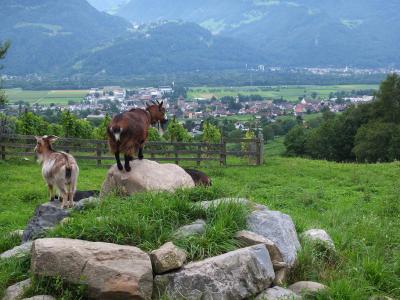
{"points": [[119, 165], [128, 158], [51, 192], [140, 156]]}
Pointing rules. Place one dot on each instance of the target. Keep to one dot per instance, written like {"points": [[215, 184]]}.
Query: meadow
{"points": [[357, 204], [45, 97], [288, 92]]}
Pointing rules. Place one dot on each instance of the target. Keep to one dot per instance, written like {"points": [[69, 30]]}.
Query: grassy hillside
{"points": [[45, 97], [290, 92], [358, 205]]}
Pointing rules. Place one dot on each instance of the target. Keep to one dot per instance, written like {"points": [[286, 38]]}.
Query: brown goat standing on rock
{"points": [[59, 169], [128, 131]]}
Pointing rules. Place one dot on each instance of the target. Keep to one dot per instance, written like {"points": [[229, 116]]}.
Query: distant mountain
{"points": [[164, 48], [110, 6], [47, 33], [297, 32]]}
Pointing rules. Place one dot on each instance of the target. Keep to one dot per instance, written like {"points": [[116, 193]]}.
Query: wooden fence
{"points": [[251, 150]]}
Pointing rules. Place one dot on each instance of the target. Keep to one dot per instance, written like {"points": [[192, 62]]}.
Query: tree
{"points": [[100, 132], [211, 133], [295, 141], [176, 132], [3, 51], [7, 124], [74, 127], [31, 124]]}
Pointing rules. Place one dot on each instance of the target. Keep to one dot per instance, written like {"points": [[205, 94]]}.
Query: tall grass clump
{"points": [[13, 270], [148, 220]]}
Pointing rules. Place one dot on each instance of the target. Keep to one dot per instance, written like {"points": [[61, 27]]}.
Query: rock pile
{"points": [[110, 271]]}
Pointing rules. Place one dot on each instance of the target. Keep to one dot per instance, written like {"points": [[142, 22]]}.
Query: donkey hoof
{"points": [[120, 167], [128, 168]]}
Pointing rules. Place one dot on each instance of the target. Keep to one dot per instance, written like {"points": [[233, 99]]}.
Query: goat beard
{"points": [[160, 128]]}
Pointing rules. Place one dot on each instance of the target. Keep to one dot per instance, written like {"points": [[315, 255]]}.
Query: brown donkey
{"points": [[127, 132]]}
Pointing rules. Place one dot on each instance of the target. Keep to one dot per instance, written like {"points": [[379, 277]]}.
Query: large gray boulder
{"points": [[146, 175], [16, 291], [277, 293], [18, 251], [166, 258], [234, 275], [110, 271], [46, 216], [278, 228]]}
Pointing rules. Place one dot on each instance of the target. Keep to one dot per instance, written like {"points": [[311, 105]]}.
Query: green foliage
{"points": [[13, 270], [30, 124], [176, 132], [3, 50], [154, 135], [295, 141], [74, 127], [366, 133], [100, 132], [7, 124], [57, 287], [211, 133]]}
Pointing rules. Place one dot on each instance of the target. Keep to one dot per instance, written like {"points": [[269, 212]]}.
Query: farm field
{"points": [[357, 204], [45, 97], [290, 93]]}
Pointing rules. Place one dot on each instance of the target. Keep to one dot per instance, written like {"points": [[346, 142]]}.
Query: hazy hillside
{"points": [[169, 47], [299, 32], [109, 6], [47, 33]]}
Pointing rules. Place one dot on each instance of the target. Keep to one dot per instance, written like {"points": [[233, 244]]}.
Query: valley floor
{"points": [[358, 205]]}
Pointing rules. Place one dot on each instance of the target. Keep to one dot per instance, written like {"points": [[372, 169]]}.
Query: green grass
{"points": [[45, 97], [290, 93], [357, 204]]}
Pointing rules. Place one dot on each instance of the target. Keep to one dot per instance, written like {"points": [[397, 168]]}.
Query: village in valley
{"points": [[114, 99]]}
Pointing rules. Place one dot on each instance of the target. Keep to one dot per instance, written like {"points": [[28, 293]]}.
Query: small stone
{"points": [[66, 221], [215, 203], [380, 298], [307, 287], [87, 202], [197, 227], [41, 297], [277, 293], [18, 251], [168, 257], [281, 277], [16, 291], [250, 238], [319, 236]]}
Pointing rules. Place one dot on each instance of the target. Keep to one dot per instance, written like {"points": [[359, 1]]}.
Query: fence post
{"points": [[198, 155], [176, 155], [223, 152], [98, 154], [260, 149]]}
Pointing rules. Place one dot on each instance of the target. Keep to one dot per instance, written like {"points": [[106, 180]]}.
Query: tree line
{"points": [[364, 133]]}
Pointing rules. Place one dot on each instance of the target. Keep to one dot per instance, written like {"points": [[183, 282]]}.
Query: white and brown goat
{"points": [[59, 170]]}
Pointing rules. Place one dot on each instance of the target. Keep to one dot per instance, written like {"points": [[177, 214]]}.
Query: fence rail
{"points": [[82, 149]]}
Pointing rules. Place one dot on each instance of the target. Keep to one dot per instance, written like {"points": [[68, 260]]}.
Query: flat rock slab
{"points": [[277, 293], [217, 202], [16, 291], [320, 236], [197, 227], [18, 251], [278, 228], [46, 216], [110, 271], [307, 287], [166, 258], [250, 238], [234, 275], [146, 175]]}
